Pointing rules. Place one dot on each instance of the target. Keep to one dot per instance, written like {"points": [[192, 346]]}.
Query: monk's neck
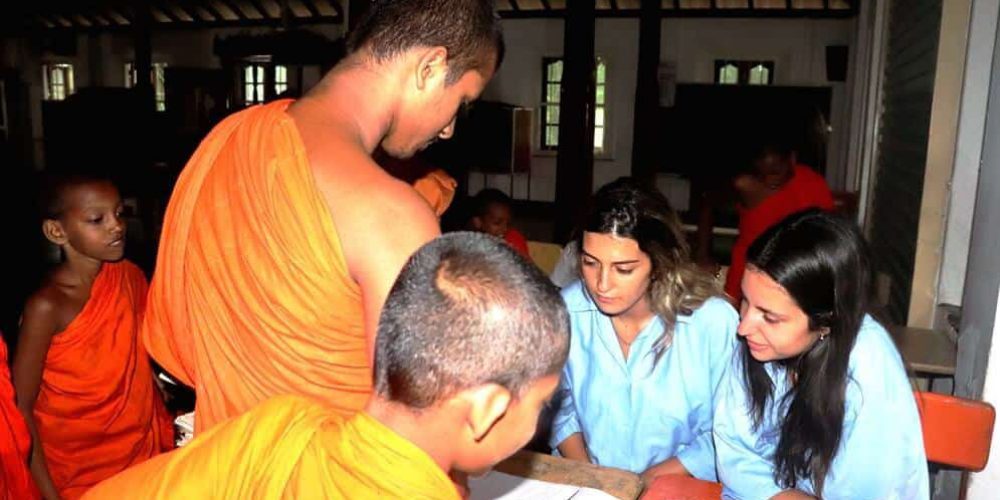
{"points": [[78, 270], [421, 430], [357, 100]]}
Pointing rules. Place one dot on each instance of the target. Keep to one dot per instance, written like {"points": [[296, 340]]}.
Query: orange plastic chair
{"points": [[682, 488], [957, 431]]}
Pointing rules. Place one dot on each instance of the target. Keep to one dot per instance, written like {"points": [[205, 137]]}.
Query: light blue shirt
{"points": [[633, 413], [881, 454]]}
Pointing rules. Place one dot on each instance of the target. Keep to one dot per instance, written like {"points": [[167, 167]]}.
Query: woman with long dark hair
{"points": [[817, 403], [651, 339]]}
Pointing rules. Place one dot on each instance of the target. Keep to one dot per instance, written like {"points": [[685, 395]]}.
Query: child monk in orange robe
{"points": [[82, 377], [469, 348]]}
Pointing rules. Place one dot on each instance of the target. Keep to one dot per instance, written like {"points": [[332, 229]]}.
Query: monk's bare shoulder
{"points": [[44, 310], [360, 193], [51, 307]]}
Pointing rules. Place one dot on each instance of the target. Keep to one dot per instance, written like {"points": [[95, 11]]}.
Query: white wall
{"points": [[968, 150], [984, 485], [798, 47]]}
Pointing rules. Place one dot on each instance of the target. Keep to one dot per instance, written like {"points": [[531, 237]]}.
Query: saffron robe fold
{"points": [[288, 447], [252, 297], [15, 441], [438, 189], [806, 189], [98, 410]]}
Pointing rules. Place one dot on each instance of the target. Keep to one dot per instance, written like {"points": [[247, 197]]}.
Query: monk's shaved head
{"points": [[467, 310], [469, 29]]}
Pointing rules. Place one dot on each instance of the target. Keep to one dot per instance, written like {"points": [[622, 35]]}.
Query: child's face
{"points": [[512, 431], [495, 221], [92, 223]]}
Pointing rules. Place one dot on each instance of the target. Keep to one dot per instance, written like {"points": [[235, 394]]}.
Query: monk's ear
{"points": [[432, 68], [53, 231], [487, 404]]}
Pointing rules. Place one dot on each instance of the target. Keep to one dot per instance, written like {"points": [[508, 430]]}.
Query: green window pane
{"points": [[599, 116], [554, 71], [601, 70], [599, 95], [759, 75], [729, 74], [551, 115], [552, 92], [552, 135]]}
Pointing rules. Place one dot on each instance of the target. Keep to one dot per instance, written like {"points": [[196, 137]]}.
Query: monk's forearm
{"points": [[39, 469], [574, 448]]}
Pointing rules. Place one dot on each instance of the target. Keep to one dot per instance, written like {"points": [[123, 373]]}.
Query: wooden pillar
{"points": [[645, 133], [575, 159]]}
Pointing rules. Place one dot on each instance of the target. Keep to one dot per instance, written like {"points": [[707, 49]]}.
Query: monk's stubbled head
{"points": [[469, 30], [470, 319], [467, 310]]}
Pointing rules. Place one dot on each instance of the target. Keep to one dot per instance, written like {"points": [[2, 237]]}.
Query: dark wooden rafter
{"points": [[232, 8], [236, 9], [514, 5], [313, 11], [164, 7], [210, 8], [339, 8], [259, 8]]}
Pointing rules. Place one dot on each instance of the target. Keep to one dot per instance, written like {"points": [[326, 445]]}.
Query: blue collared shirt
{"points": [[881, 454], [633, 413]]}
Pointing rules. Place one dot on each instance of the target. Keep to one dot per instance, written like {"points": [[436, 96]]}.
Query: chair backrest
{"points": [[682, 488], [544, 255], [957, 432]]}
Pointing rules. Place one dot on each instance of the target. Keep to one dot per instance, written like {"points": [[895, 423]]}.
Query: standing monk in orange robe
{"points": [[15, 441], [83, 380], [283, 236], [470, 346], [778, 187]]}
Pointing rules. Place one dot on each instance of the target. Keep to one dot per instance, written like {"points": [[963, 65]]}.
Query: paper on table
{"points": [[497, 485]]}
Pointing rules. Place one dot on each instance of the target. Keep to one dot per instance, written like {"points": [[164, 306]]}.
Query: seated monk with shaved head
{"points": [[471, 342]]}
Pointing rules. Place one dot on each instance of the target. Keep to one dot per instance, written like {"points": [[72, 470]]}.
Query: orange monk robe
{"points": [[288, 447], [438, 188], [252, 297], [15, 441], [98, 410], [806, 189]]}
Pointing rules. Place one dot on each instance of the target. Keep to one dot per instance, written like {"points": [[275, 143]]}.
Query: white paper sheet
{"points": [[497, 485]]}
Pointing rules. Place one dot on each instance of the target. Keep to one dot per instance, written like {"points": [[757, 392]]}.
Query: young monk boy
{"points": [[491, 213], [82, 377], [469, 347]]}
